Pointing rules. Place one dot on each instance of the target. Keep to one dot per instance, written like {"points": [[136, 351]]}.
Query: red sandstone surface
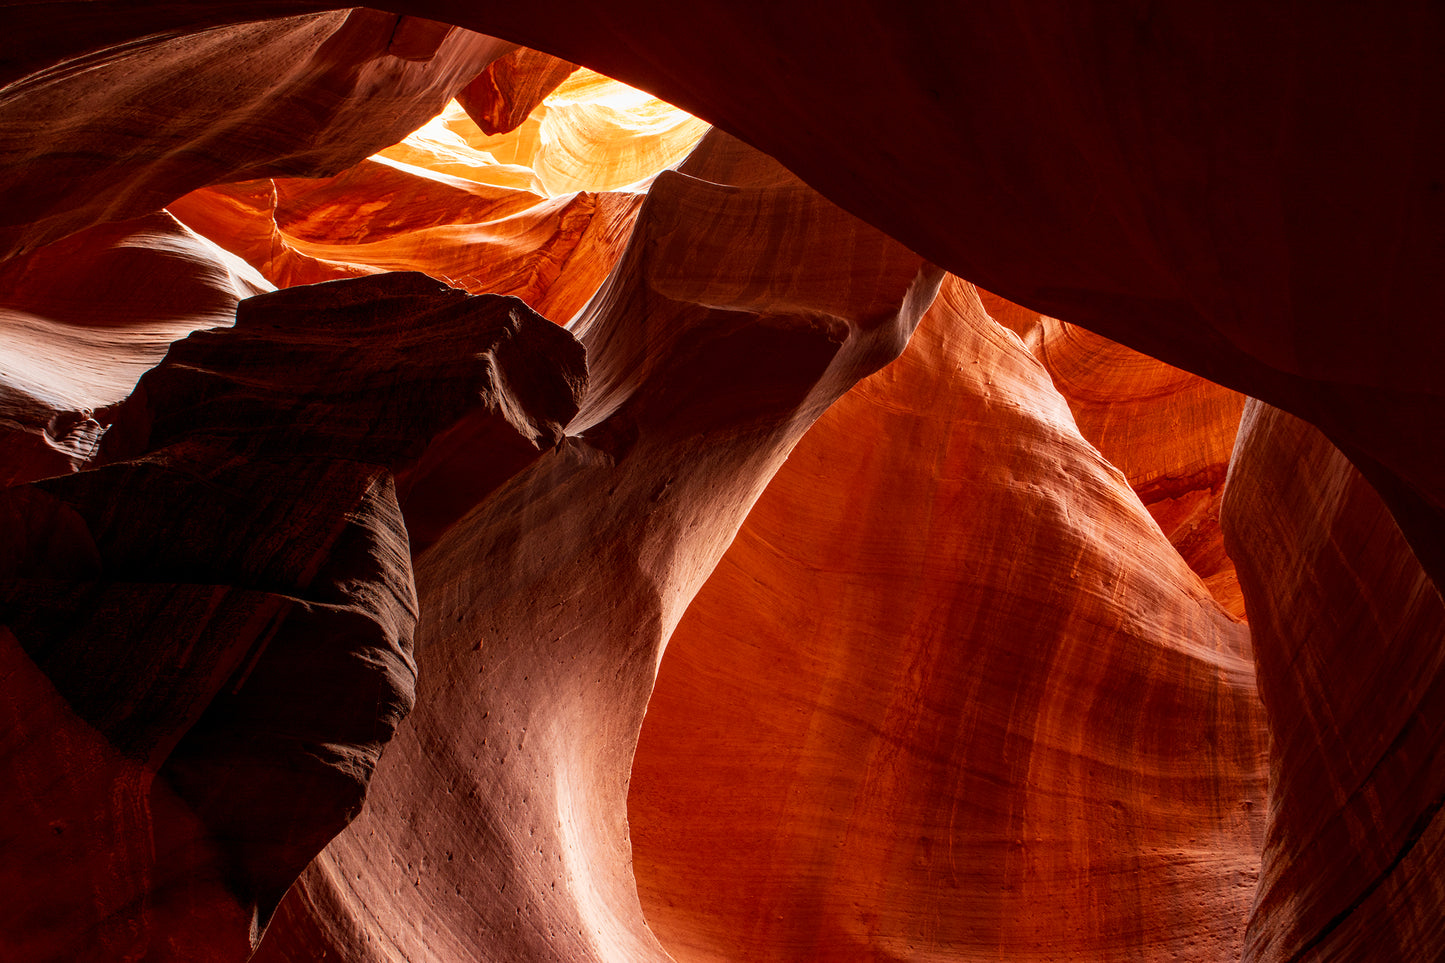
{"points": [[698, 629]]}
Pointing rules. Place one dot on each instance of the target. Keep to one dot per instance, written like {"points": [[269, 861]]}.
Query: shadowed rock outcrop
{"points": [[226, 604], [1350, 639]]}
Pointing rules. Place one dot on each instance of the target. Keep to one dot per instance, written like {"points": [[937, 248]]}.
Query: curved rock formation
{"points": [[1251, 194], [590, 133], [383, 216], [951, 695], [227, 606], [179, 110], [466, 208], [1349, 634], [1175, 179], [496, 826], [1170, 432], [82, 319], [501, 97]]}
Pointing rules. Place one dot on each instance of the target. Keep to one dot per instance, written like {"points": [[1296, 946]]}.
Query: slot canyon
{"points": [[945, 483]]}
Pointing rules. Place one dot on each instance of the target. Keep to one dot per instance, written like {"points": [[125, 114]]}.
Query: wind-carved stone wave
{"points": [[227, 601]]}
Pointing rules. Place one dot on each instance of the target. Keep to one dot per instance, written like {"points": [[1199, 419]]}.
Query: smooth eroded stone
{"points": [[383, 215], [1350, 640], [123, 129], [951, 695], [496, 826], [82, 319], [1170, 432], [502, 96], [228, 602]]}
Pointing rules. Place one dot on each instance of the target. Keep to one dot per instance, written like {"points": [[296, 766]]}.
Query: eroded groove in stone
{"points": [[1170, 432], [1348, 633], [502, 802], [951, 695]]}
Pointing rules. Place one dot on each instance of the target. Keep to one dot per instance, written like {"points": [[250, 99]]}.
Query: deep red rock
{"points": [[1348, 632], [82, 319], [129, 128], [1250, 194], [1170, 432], [501, 97], [1175, 179]]}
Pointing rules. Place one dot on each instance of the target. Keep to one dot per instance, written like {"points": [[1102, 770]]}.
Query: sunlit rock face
{"points": [[533, 213], [981, 709], [1170, 432], [503, 802], [954, 693]]}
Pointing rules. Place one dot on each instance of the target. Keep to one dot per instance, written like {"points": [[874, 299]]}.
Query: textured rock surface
{"points": [[951, 695], [381, 215], [83, 319], [227, 604], [1350, 638], [1170, 432], [496, 827], [1236, 233], [1173, 178], [590, 133], [131, 128], [501, 98], [1252, 195]]}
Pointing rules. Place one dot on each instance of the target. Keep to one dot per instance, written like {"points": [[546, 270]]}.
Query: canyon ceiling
{"points": [[982, 499]]}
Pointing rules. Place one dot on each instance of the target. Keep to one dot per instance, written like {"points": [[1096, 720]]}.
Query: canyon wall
{"points": [[974, 678]]}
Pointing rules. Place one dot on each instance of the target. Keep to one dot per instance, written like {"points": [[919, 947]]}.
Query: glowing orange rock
{"points": [[1170, 432], [744, 306], [383, 216], [950, 694]]}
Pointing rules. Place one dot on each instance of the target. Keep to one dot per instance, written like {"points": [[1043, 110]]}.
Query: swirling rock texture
{"points": [[548, 678], [532, 213], [1170, 432], [1351, 667], [84, 318], [982, 711], [130, 129], [1251, 195]]}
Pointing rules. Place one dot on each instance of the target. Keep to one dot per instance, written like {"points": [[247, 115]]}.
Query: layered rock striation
{"points": [[1056, 753], [224, 602], [951, 695], [497, 824], [1349, 633]]}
